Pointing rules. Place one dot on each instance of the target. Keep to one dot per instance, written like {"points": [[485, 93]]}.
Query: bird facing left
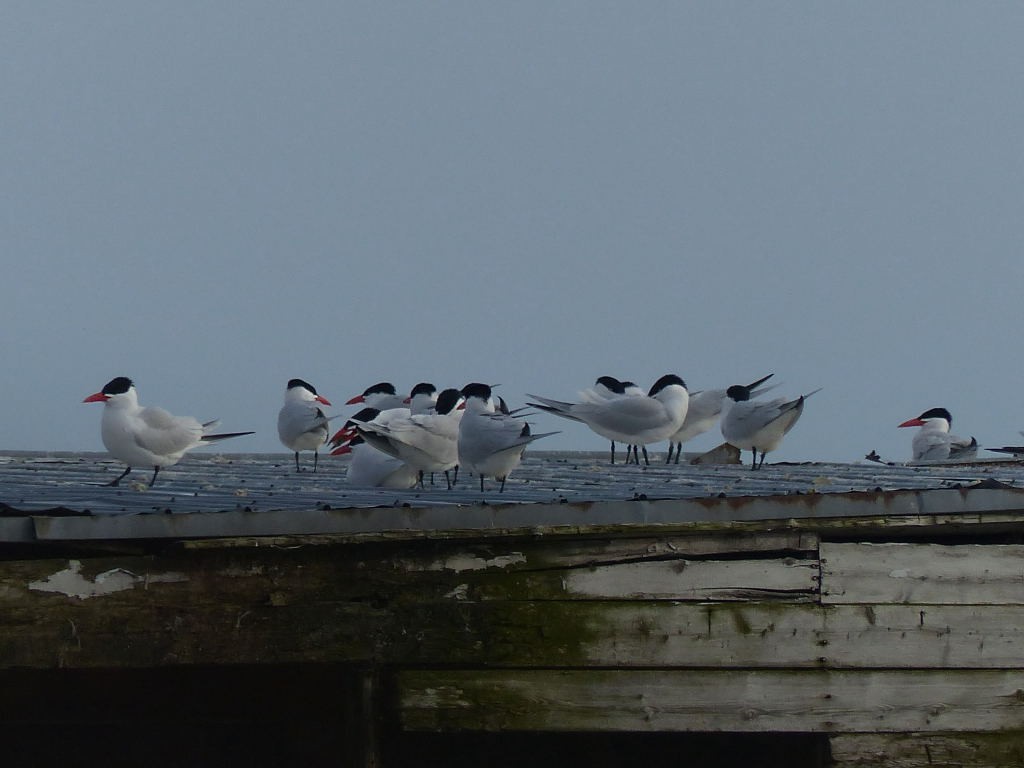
{"points": [[144, 436]]}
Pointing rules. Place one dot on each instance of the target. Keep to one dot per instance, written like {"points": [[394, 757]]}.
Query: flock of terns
{"points": [[396, 440]]}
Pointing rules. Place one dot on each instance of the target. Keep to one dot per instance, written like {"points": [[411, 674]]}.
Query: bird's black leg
{"points": [[297, 462], [316, 457], [502, 489], [671, 445], [419, 478], [456, 478], [647, 461], [156, 471], [481, 483], [613, 451], [761, 463], [117, 480], [431, 479], [448, 479], [679, 451]]}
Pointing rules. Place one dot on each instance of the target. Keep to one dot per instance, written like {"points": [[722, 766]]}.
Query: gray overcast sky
{"points": [[212, 198]]}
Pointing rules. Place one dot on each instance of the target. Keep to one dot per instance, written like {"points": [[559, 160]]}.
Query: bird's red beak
{"points": [[99, 397], [356, 399], [912, 423], [345, 433], [322, 399]]}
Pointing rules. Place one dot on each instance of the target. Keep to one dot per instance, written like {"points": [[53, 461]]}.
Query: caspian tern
{"points": [[389, 405], [491, 443], [629, 419], [428, 442], [606, 388], [705, 407], [381, 396], [760, 425], [146, 436], [933, 441], [301, 425], [370, 468]]}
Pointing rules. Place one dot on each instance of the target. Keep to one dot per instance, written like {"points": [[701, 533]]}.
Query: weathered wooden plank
{"points": [[666, 579], [541, 553], [925, 750], [680, 579], [711, 700], [237, 627], [980, 574], [727, 635]]}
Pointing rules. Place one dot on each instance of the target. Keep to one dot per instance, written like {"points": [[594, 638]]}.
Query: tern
{"points": [[630, 419], [933, 441], [381, 396], [490, 442], [370, 468], [760, 425], [705, 407], [149, 437], [301, 424], [605, 388], [383, 399], [428, 442]]}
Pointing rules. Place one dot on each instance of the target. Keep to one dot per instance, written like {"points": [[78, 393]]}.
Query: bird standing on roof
{"points": [[427, 442], [149, 437], [633, 420], [369, 467], [758, 425], [606, 388], [491, 443], [933, 442], [705, 407], [301, 424]]}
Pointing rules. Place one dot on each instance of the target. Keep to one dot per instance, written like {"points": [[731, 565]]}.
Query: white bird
{"points": [[422, 398], [428, 442], [605, 388], [760, 425], [149, 437], [630, 419], [705, 407], [301, 425], [382, 396], [933, 441], [491, 443], [369, 467], [388, 405]]}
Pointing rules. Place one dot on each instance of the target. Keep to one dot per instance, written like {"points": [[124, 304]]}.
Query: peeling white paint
{"points": [[72, 583], [461, 592], [467, 562]]}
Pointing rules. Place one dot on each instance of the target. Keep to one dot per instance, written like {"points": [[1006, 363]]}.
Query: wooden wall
{"points": [[902, 650]]}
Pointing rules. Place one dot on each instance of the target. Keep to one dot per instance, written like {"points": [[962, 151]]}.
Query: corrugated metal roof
{"points": [[62, 496]]}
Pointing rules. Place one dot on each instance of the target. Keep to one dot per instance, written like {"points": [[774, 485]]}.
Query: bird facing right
{"points": [[301, 424], [633, 420]]}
